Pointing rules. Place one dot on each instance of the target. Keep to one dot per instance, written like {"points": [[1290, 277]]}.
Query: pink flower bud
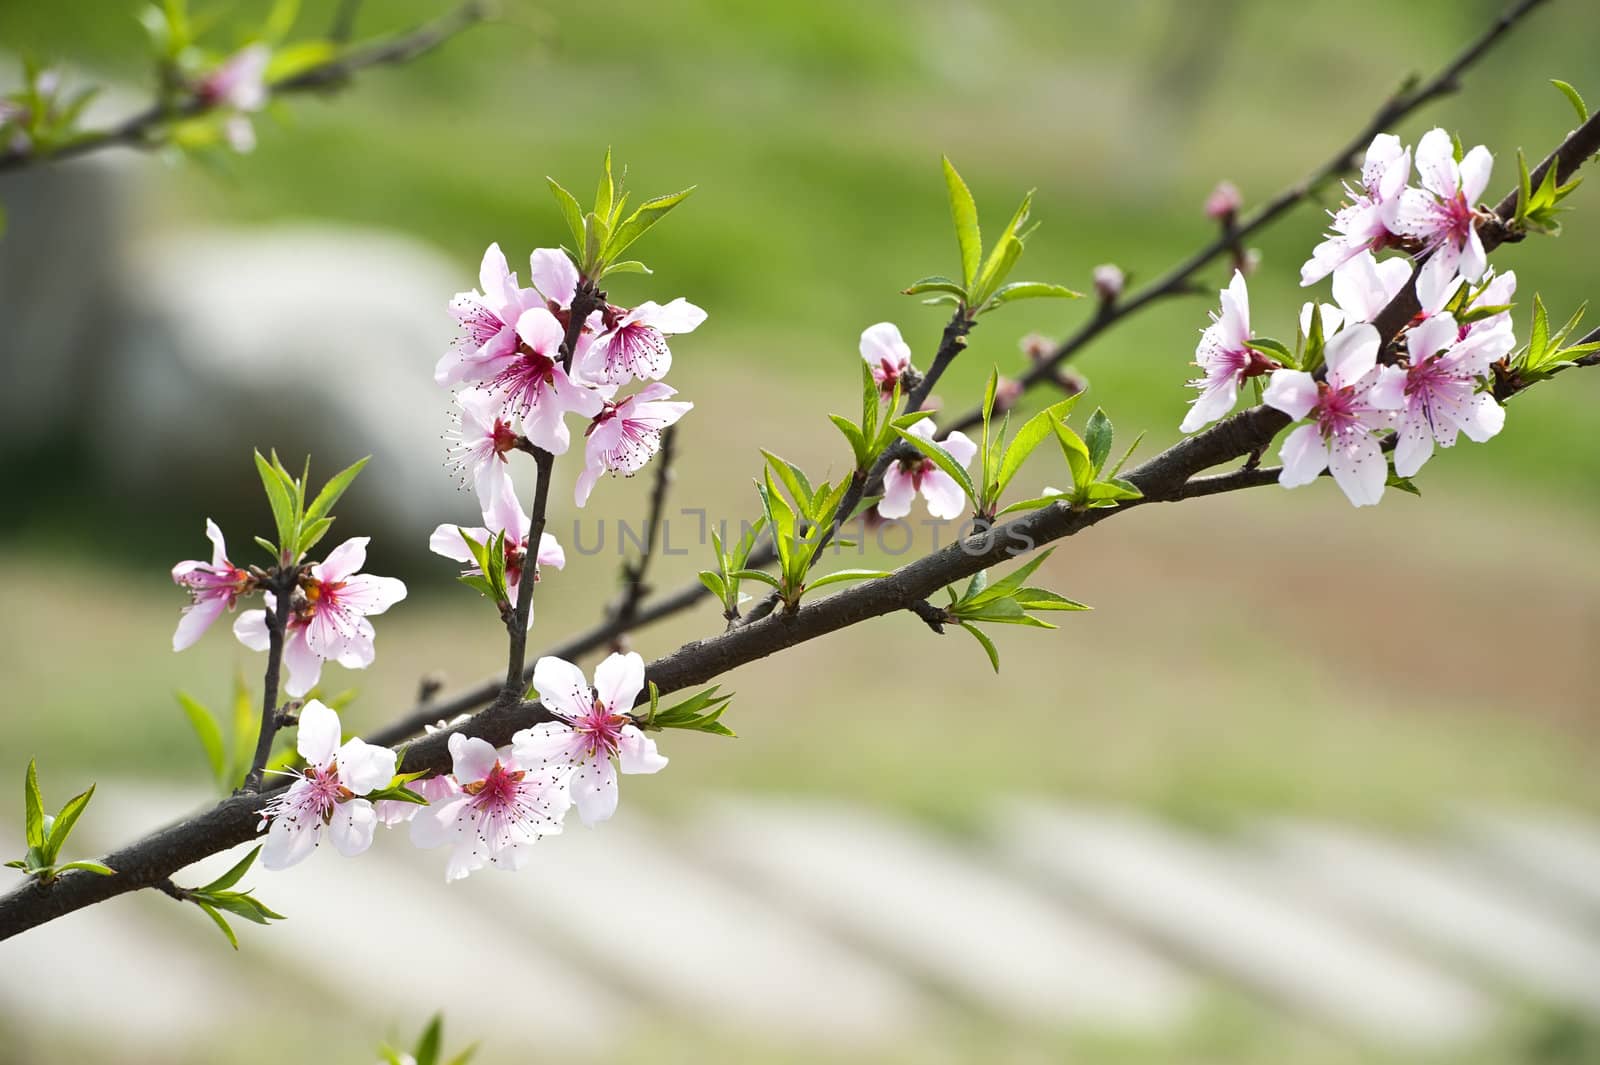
{"points": [[1006, 393], [1036, 346], [1224, 201], [1108, 281]]}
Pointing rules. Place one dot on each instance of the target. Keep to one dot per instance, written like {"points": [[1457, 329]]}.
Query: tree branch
{"points": [[144, 129]]}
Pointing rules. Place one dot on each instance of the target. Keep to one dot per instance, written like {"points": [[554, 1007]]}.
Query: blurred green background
{"points": [[1262, 652]]}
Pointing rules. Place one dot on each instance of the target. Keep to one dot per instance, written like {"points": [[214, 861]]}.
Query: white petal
{"points": [[961, 448], [898, 492], [1304, 456], [317, 739], [287, 844], [1413, 443], [678, 316], [251, 630], [343, 560], [1292, 391], [197, 618], [1214, 402], [1432, 336], [1351, 353], [431, 827], [883, 343], [946, 500], [618, 681], [549, 742], [446, 540], [1485, 418], [364, 766], [562, 687], [352, 827], [594, 790], [636, 752], [1359, 468], [1476, 166], [472, 758]]}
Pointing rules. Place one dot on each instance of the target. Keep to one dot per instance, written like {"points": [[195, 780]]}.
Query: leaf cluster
{"points": [[601, 234]]}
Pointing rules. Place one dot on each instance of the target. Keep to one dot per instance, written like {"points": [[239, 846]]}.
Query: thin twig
{"points": [[144, 129], [282, 587]]}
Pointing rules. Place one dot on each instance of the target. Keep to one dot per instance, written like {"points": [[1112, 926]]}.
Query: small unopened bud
{"points": [[1108, 282], [1006, 394], [1037, 347], [1224, 202], [1070, 383]]}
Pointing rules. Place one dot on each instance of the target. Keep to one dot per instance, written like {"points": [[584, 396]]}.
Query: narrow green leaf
{"points": [[714, 583], [1097, 434], [852, 435], [209, 734], [231, 877], [984, 642], [1005, 586], [323, 504], [97, 868], [1001, 261], [1077, 455], [61, 827], [840, 576], [935, 284], [1044, 599], [1033, 290], [1126, 455], [280, 499], [570, 211], [33, 807], [641, 220], [794, 479], [627, 266], [222, 922], [758, 575], [1572, 98], [964, 213], [606, 190]]}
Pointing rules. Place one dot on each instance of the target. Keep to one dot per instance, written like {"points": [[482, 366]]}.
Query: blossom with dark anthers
{"points": [[1225, 358], [1445, 369], [906, 478], [1441, 214], [634, 342], [593, 733], [1367, 222], [626, 434]]}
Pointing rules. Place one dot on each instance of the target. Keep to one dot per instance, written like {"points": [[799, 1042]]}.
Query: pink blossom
{"points": [[1109, 281], [239, 81], [1434, 294], [479, 444], [213, 587], [488, 320], [634, 344], [1224, 201], [338, 596], [1445, 366], [327, 794], [302, 664], [1362, 287], [1441, 214], [436, 789], [531, 382], [886, 351], [1367, 222], [625, 435], [593, 734], [1354, 401], [502, 809], [906, 477], [504, 515], [1225, 358]]}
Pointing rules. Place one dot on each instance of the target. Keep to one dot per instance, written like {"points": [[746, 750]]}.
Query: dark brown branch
{"points": [[145, 129], [282, 589]]}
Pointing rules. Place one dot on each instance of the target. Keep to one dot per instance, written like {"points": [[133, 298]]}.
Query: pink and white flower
{"points": [[1345, 410], [634, 344], [625, 435], [326, 796], [213, 587], [1367, 223], [887, 352], [478, 445], [1442, 398], [436, 789], [504, 515], [1441, 214], [1362, 287], [1495, 290], [532, 383], [593, 734], [238, 84], [302, 665], [907, 477], [502, 809], [338, 597], [488, 319], [1225, 358]]}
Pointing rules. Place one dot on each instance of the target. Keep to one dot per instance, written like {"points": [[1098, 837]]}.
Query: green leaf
{"points": [[278, 495], [1403, 484], [33, 808], [97, 868], [280, 19], [627, 266], [984, 642], [1098, 434], [1572, 98], [964, 213], [1033, 290], [758, 575], [1030, 436], [641, 220], [1539, 334], [794, 480], [605, 192], [322, 505], [1126, 455], [569, 211], [1275, 349], [1044, 599], [943, 459], [840, 576], [61, 828], [1077, 455], [858, 443], [209, 734], [935, 284], [1001, 260], [222, 923], [1007, 585], [232, 876], [1036, 503], [714, 583]]}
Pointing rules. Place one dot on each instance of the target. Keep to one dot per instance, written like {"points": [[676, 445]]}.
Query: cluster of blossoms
{"points": [[889, 358], [496, 802], [518, 384], [1430, 387], [326, 618]]}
